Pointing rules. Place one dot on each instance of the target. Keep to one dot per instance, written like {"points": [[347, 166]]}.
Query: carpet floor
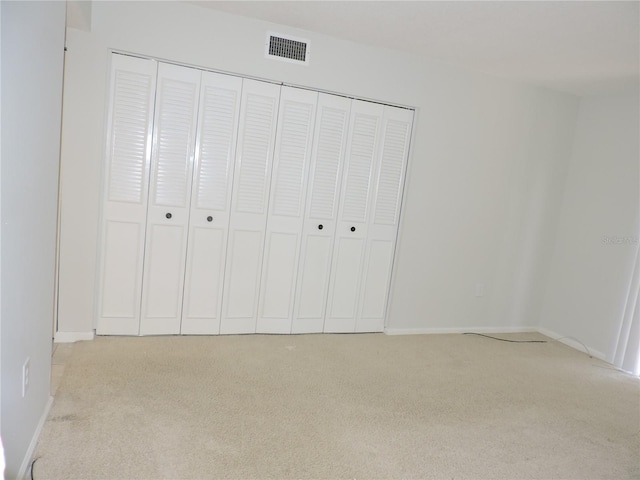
{"points": [[339, 406]]}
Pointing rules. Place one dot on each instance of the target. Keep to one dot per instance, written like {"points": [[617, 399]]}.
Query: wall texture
{"points": [[598, 227], [32, 63], [486, 170]]}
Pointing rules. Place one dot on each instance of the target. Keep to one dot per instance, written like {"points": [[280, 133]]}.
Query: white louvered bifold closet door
{"points": [[128, 153], [169, 198], [286, 209], [319, 227], [385, 215], [238, 206], [353, 217], [211, 202], [249, 205]]}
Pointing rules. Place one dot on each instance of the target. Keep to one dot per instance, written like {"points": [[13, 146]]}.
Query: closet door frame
{"points": [[103, 329]]}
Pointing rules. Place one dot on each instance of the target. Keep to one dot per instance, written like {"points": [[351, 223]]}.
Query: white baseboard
{"points": [[573, 343], [569, 341], [26, 461], [71, 337], [422, 331]]}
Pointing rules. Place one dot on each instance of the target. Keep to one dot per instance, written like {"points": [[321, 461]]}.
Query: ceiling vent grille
{"points": [[287, 48]]}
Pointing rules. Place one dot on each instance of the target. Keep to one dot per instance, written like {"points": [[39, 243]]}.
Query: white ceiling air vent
{"points": [[287, 48]]}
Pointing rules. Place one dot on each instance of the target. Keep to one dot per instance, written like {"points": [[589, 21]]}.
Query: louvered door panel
{"points": [[360, 167], [256, 153], [211, 202], [386, 201], [170, 189], [331, 141], [219, 111], [319, 226], [293, 148], [286, 209], [129, 130], [174, 140], [353, 217], [392, 167], [251, 182]]}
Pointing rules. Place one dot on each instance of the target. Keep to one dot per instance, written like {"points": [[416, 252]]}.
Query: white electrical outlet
{"points": [[479, 289], [25, 377]]}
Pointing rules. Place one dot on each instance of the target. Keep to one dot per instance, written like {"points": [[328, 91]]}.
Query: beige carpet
{"points": [[339, 406]]}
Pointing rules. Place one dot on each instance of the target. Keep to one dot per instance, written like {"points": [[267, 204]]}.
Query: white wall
{"points": [[32, 63], [598, 226], [480, 207], [486, 170]]}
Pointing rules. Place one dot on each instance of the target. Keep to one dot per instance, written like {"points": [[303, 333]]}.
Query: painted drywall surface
{"points": [[598, 225], [486, 152], [32, 62], [491, 172]]}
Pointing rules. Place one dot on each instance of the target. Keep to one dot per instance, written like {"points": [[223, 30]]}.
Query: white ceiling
{"points": [[580, 47]]}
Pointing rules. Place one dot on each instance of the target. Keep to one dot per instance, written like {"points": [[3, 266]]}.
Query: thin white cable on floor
{"points": [[587, 351]]}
